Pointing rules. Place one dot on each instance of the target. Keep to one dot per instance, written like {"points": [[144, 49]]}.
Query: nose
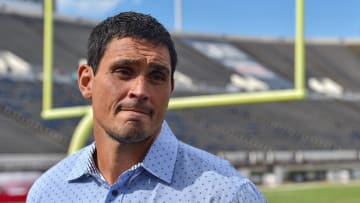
{"points": [[138, 89]]}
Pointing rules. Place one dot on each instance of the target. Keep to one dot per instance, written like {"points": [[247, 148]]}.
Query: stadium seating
{"points": [[318, 123]]}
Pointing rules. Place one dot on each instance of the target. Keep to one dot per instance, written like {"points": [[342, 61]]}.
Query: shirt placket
{"points": [[117, 191]]}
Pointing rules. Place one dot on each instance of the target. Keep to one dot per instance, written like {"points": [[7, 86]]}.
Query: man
{"points": [[135, 157]]}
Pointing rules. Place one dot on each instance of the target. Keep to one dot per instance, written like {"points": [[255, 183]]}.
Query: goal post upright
{"points": [[84, 127]]}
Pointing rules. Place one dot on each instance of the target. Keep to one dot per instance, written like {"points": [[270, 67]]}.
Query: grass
{"points": [[314, 192]]}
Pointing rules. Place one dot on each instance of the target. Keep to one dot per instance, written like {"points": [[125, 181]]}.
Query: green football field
{"points": [[314, 193]]}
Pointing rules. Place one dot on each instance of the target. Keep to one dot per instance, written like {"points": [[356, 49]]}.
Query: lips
{"points": [[137, 108], [143, 111]]}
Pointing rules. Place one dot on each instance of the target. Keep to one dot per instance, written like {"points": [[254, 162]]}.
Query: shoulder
{"points": [[204, 160], [247, 192], [216, 176], [53, 178]]}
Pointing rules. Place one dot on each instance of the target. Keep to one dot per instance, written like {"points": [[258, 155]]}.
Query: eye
{"points": [[123, 72], [158, 76]]}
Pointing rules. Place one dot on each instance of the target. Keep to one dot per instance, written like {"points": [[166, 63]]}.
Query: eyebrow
{"points": [[152, 65], [125, 62]]}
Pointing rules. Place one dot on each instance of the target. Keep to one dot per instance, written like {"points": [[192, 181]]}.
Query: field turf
{"points": [[314, 192]]}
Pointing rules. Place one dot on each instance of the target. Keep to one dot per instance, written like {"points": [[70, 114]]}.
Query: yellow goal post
{"points": [[84, 127]]}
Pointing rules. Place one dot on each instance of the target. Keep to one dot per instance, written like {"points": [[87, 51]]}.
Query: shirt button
{"points": [[114, 192]]}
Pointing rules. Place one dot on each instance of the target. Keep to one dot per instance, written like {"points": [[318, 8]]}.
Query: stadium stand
{"points": [[17, 131], [210, 77], [324, 121]]}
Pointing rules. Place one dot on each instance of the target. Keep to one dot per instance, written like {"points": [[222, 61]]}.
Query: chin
{"points": [[130, 135]]}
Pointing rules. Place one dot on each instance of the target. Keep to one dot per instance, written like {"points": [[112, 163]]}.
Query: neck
{"points": [[113, 158]]}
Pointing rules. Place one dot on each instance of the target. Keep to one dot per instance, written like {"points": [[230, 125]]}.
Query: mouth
{"points": [[139, 109]]}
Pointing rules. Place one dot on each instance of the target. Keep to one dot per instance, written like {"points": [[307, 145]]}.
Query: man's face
{"points": [[131, 89]]}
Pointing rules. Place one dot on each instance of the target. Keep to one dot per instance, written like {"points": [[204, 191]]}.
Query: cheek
{"points": [[162, 100], [107, 93]]}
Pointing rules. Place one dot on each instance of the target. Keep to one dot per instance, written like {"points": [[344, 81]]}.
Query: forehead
{"points": [[141, 49]]}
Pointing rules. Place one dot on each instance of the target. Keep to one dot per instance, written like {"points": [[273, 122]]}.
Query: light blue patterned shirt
{"points": [[170, 172]]}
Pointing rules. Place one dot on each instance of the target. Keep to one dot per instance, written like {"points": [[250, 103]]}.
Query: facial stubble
{"points": [[129, 134]]}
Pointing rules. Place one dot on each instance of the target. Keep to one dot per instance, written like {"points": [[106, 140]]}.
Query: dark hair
{"points": [[128, 24]]}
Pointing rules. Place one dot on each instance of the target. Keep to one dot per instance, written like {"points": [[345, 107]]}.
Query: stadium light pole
{"points": [[178, 15]]}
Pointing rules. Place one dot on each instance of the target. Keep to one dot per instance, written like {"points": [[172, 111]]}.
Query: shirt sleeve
{"points": [[34, 194], [248, 193]]}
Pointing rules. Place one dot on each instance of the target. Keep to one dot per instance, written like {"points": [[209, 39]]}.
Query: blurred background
{"points": [[295, 151]]}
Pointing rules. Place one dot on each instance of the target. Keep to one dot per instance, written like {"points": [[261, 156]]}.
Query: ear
{"points": [[85, 80]]}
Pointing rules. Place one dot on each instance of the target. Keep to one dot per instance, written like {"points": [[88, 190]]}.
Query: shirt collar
{"points": [[84, 164], [161, 157], [159, 160]]}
